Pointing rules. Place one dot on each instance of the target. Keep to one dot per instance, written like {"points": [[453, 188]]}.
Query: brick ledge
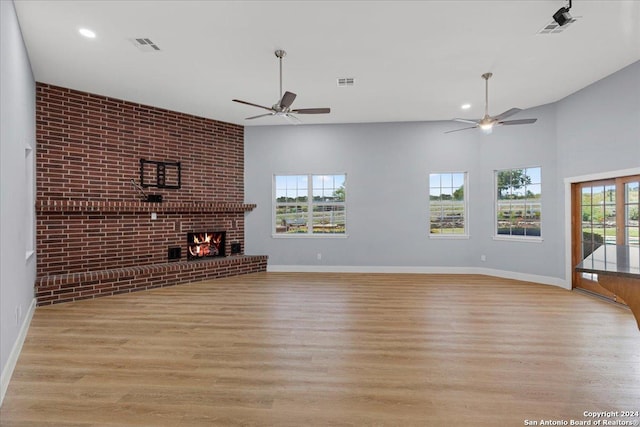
{"points": [[92, 284], [53, 205]]}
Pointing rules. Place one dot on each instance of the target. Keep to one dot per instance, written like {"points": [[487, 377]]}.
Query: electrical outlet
{"points": [[319, 256], [483, 258], [154, 216]]}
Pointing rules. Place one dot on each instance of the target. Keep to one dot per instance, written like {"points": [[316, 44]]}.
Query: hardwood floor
{"points": [[291, 349]]}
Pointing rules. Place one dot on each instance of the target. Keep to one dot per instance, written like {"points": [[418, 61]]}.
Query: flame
{"points": [[202, 245]]}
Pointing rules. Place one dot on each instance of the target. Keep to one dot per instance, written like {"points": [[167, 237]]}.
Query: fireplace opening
{"points": [[205, 244]]}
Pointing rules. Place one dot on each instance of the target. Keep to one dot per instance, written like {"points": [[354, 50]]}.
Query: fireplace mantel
{"points": [[52, 205]]}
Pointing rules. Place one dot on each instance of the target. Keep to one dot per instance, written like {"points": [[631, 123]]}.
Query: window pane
{"points": [[291, 188], [586, 196], [328, 188], [291, 219], [458, 180], [534, 175], [328, 219], [434, 180]]}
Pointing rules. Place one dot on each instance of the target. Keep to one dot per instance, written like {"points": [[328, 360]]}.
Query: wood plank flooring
{"points": [[293, 349]]}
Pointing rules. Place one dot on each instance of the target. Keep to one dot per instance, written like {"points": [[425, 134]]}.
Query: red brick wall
{"points": [[89, 148]]}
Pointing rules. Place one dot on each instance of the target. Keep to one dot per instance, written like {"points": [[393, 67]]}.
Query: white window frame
{"points": [[511, 237], [310, 203], [465, 184]]}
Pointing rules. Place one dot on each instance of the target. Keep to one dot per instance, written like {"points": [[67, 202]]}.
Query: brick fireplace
{"points": [[95, 234]]}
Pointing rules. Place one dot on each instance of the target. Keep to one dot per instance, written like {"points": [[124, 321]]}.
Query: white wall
{"points": [[17, 124], [599, 126], [387, 166]]}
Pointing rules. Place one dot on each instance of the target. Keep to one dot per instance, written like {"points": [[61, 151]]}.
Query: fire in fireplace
{"points": [[205, 244]]}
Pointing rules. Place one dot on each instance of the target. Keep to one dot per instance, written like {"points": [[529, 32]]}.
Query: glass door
{"points": [[604, 213]]}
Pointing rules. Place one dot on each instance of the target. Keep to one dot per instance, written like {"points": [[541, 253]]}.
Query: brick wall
{"points": [[90, 146], [89, 149]]}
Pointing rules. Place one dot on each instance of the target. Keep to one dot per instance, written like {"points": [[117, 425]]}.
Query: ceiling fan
{"points": [[487, 123], [283, 106]]}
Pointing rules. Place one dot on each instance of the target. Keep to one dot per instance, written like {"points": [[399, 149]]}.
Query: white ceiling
{"points": [[412, 60]]}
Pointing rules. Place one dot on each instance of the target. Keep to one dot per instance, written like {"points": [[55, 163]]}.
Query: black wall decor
{"points": [[160, 174]]}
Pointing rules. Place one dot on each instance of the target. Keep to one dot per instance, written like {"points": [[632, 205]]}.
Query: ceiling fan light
{"points": [[486, 127]]}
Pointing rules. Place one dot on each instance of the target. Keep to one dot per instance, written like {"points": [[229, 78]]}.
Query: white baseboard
{"points": [[525, 277], [7, 372]]}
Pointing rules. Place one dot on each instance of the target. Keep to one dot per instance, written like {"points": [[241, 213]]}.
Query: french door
{"points": [[604, 213]]}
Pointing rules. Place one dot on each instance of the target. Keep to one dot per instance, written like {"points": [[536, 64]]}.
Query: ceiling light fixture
{"points": [[87, 33], [465, 106], [486, 127], [562, 16]]}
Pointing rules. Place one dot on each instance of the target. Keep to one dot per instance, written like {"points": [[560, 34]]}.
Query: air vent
{"points": [[346, 81], [145, 44], [553, 28]]}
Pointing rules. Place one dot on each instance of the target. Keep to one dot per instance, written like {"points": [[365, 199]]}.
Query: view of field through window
{"points": [[519, 202], [600, 219], [322, 213], [447, 203]]}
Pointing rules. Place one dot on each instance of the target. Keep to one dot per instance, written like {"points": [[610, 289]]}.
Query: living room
{"points": [[78, 167]]}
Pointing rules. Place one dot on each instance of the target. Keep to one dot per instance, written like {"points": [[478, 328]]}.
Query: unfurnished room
{"points": [[320, 213]]}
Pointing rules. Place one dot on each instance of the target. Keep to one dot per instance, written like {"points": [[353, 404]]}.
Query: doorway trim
{"points": [[567, 211]]}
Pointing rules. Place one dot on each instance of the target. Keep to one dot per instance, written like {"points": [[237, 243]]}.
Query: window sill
{"points": [[519, 239], [449, 236], [309, 236]]}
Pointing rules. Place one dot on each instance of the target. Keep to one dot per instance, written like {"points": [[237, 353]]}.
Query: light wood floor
{"points": [[288, 349]]}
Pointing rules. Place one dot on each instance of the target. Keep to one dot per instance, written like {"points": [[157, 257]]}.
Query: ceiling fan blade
{"points": [[508, 113], [458, 130], [293, 119], [518, 122], [258, 116], [473, 122], [312, 111], [287, 99], [252, 104]]}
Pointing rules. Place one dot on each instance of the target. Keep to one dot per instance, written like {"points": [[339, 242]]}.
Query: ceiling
{"points": [[411, 60]]}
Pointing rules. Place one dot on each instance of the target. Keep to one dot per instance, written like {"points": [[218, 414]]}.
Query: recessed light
{"points": [[87, 33], [465, 106]]}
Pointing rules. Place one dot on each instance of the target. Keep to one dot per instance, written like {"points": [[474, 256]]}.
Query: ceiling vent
{"points": [[554, 28], [346, 81], [145, 45]]}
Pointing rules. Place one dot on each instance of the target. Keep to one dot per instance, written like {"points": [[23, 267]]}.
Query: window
{"points": [[518, 202], [296, 213], [448, 204]]}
